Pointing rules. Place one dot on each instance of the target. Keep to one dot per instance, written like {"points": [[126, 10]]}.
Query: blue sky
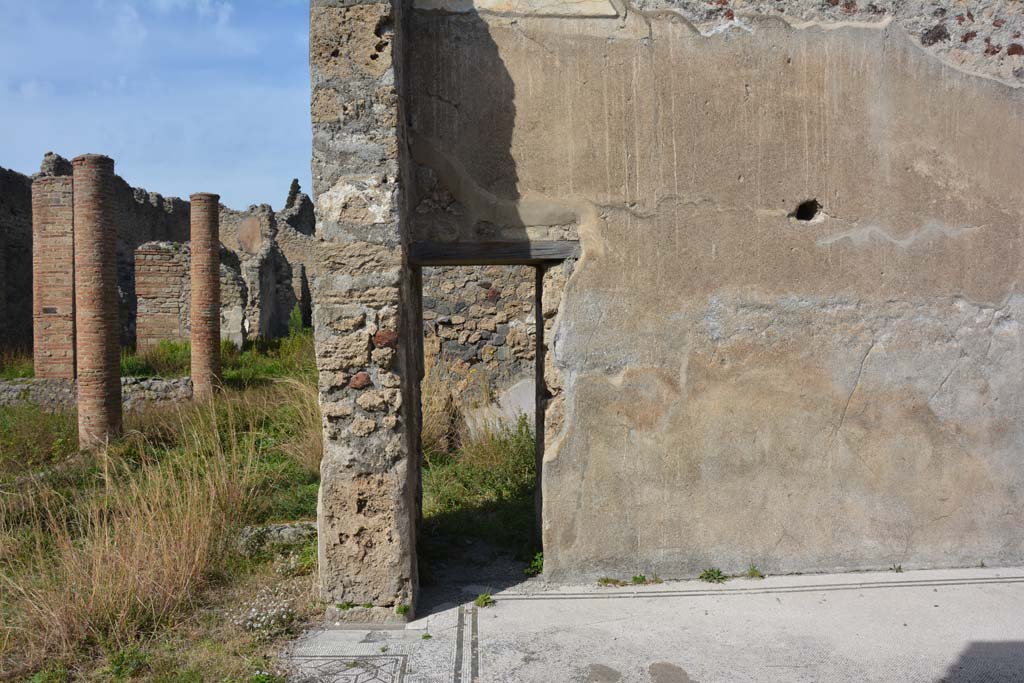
{"points": [[185, 95]]}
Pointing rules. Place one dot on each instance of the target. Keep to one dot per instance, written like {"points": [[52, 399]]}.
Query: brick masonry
{"points": [[53, 283], [205, 244], [163, 289], [96, 310]]}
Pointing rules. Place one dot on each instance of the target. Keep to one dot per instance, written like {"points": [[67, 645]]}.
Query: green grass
{"points": [[609, 582], [16, 366], [753, 572], [31, 438], [484, 489], [257, 363]]}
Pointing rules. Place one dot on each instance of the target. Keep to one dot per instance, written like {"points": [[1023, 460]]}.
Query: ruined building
{"points": [[777, 270], [477, 318]]}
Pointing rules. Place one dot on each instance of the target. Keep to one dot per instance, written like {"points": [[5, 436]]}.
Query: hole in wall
{"points": [[807, 211]]}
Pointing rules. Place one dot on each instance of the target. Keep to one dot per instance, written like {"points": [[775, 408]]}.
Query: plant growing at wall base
{"points": [[753, 572], [713, 575], [607, 581], [536, 565], [484, 600]]}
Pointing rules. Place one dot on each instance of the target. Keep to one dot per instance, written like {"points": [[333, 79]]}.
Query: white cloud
{"points": [[219, 11], [128, 25]]}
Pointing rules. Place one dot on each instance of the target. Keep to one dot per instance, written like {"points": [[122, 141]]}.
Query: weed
{"points": [[383, 648], [639, 579], [367, 605], [265, 677], [126, 663], [55, 674], [713, 575], [345, 606], [536, 566], [118, 545], [606, 582], [484, 600], [402, 610], [426, 636], [302, 563], [753, 572], [166, 359], [898, 568]]}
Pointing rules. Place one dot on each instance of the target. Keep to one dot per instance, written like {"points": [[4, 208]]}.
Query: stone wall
{"points": [[793, 337], [15, 260], [365, 304], [142, 217], [54, 394], [271, 256], [481, 317]]}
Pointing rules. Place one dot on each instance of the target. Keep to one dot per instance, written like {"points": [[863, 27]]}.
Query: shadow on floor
{"points": [[477, 549], [988, 662]]}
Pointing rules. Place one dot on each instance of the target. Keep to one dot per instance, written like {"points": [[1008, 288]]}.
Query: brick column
{"points": [[365, 316], [53, 280], [98, 335], [205, 294]]}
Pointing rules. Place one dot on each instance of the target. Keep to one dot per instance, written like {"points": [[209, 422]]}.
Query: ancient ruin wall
{"points": [[15, 260], [142, 217], [165, 293], [53, 277], [365, 299], [742, 380], [163, 289], [481, 318]]}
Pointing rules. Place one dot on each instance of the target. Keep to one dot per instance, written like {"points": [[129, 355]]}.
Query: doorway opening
{"points": [[479, 436]]}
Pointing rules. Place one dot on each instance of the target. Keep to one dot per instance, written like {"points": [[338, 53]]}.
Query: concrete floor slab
{"points": [[957, 626]]}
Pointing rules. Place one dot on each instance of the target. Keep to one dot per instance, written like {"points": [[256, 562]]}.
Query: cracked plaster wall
{"points": [[736, 385]]}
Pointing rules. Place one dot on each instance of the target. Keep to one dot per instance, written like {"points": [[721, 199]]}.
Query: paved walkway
{"points": [[944, 625]]}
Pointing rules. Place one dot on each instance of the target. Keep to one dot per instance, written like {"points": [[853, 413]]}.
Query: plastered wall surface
{"points": [[738, 385]]}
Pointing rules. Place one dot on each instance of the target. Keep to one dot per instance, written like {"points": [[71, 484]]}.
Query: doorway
{"points": [[479, 436]]}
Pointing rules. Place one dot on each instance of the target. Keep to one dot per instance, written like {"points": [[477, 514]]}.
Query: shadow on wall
{"points": [[462, 122], [988, 661]]}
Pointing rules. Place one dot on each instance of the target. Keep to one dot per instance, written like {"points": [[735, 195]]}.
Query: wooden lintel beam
{"points": [[492, 253]]}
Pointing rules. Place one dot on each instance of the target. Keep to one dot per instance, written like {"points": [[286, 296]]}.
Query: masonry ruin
{"points": [[476, 318], [777, 248]]}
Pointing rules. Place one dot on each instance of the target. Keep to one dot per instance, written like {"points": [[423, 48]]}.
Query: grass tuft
{"points": [[713, 575]]}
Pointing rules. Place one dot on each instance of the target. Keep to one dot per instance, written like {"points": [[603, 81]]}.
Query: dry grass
{"points": [[307, 447], [449, 388], [104, 552], [105, 566]]}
